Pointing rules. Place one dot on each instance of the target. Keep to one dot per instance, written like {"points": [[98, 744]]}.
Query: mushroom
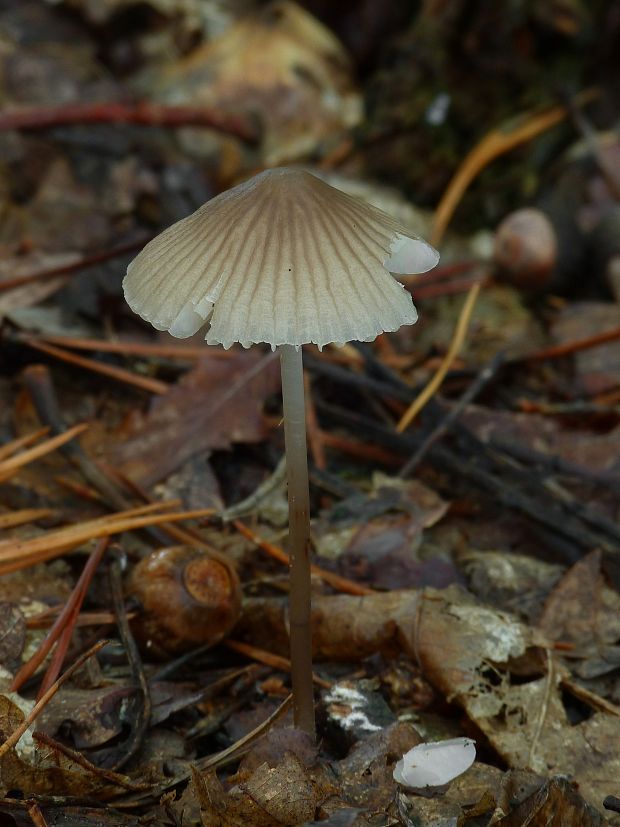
{"points": [[287, 260]]}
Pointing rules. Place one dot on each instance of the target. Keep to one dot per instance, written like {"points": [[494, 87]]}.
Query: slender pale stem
{"points": [[299, 536]]}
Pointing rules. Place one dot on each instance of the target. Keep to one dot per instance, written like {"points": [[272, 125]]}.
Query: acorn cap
{"points": [[282, 258]]}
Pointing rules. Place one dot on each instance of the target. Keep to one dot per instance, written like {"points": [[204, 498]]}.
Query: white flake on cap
{"points": [[282, 258], [435, 764]]}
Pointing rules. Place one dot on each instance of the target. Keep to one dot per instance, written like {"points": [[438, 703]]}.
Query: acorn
{"points": [[188, 598], [542, 248], [526, 248]]}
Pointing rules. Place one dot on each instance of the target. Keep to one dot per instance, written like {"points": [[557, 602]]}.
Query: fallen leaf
{"points": [[583, 611], [280, 64], [217, 403]]}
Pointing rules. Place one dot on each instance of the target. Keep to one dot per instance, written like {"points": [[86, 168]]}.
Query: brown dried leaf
{"points": [[514, 582], [583, 611], [343, 627], [556, 804], [42, 770], [469, 796], [271, 797], [376, 537], [217, 403]]}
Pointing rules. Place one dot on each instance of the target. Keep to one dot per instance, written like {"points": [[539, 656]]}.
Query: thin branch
{"points": [[69, 612], [341, 584], [144, 383], [73, 266], [483, 378], [269, 659], [140, 114], [493, 145], [139, 727], [11, 466]]}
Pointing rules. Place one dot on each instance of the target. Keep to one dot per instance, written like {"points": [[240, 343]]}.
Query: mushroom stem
{"points": [[299, 536]]}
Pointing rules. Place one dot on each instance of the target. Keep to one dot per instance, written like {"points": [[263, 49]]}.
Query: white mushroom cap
{"points": [[282, 258], [435, 764]]}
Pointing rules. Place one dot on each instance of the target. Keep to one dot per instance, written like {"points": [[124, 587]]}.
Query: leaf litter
{"points": [[465, 565]]}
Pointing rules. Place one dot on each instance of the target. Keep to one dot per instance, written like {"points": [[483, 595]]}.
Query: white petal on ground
{"points": [[435, 764], [410, 255], [282, 258]]}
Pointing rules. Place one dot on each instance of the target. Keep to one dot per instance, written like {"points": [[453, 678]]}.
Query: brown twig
{"points": [[65, 620], [488, 372], [12, 465], [494, 144], [183, 534], [185, 352], [18, 554], [140, 725], [341, 584], [140, 114], [566, 348], [244, 742], [423, 292], [45, 619], [119, 374], [15, 445], [76, 757], [73, 266], [361, 450], [23, 516], [269, 659]]}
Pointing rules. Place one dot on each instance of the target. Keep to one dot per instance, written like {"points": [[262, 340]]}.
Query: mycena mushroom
{"points": [[286, 260]]}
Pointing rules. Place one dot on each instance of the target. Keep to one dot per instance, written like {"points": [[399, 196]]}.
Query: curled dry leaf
{"points": [[278, 796], [556, 802], [281, 64]]}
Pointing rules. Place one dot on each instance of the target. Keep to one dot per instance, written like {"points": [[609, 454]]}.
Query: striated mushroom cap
{"points": [[282, 258]]}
